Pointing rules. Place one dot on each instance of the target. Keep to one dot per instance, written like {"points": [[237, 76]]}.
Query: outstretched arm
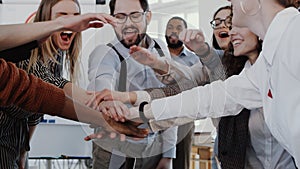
{"points": [[18, 34], [32, 94]]}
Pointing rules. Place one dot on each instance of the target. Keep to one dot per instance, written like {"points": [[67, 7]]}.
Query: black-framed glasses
{"points": [[216, 23], [135, 17]]}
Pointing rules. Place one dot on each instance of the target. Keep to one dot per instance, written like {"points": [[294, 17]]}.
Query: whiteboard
{"points": [[54, 140]]}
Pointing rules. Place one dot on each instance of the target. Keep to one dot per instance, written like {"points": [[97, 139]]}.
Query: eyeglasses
{"points": [[135, 17], [216, 23]]}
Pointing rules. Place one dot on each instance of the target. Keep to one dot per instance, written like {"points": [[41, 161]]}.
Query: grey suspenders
{"points": [[123, 70]]}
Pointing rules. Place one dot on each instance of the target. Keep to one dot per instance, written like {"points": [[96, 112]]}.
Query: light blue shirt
{"points": [[186, 57], [104, 71]]}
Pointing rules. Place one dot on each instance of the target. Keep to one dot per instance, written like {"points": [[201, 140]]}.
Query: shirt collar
{"points": [[247, 64], [275, 32], [185, 52]]}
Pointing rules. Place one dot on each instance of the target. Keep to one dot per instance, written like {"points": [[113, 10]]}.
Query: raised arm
{"points": [[18, 34]]}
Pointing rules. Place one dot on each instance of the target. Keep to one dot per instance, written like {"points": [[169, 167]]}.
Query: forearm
{"points": [[160, 66], [75, 108], [165, 124], [218, 99], [27, 91], [77, 111], [214, 63], [76, 93], [19, 34], [170, 90], [137, 97]]}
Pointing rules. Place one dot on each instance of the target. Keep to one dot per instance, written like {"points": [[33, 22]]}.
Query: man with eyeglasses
{"points": [[106, 71]]}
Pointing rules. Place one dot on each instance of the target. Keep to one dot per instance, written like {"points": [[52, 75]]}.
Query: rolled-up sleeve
{"points": [[214, 100], [27, 91]]}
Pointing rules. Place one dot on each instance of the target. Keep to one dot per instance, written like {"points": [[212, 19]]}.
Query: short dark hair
{"points": [[144, 4], [179, 18]]}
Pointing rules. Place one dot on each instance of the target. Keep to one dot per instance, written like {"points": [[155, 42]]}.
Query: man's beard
{"points": [[173, 45], [137, 41]]}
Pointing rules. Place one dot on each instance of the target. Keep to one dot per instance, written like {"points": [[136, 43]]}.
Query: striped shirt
{"points": [[15, 122]]}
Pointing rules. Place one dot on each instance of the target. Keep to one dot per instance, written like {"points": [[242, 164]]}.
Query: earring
{"points": [[247, 13]]}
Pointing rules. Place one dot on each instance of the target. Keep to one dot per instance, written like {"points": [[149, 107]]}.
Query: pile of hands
{"points": [[118, 116], [121, 121]]}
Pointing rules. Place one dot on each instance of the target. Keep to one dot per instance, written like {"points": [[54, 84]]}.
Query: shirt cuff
{"points": [[170, 153], [142, 96], [148, 112]]}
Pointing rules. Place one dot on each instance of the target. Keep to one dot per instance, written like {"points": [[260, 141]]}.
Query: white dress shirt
{"points": [[264, 152], [271, 83]]}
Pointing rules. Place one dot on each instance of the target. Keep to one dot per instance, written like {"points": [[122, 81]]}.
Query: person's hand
{"points": [[193, 39], [114, 109], [109, 95], [104, 133], [22, 159], [128, 128], [164, 163], [82, 22], [143, 56]]}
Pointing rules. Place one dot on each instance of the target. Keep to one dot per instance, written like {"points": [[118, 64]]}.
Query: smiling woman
{"points": [[18, 125], [221, 23], [64, 42]]}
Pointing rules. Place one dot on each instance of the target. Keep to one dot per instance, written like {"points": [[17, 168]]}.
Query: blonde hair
{"points": [[46, 51]]}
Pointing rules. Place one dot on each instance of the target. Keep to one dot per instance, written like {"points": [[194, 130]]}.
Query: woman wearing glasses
{"points": [[220, 24]]}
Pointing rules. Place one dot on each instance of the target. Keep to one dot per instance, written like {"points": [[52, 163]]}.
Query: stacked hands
{"points": [[117, 115], [126, 121]]}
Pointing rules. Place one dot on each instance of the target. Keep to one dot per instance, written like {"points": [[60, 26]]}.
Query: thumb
{"points": [[134, 49]]}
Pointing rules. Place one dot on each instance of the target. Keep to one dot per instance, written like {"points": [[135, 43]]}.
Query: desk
{"points": [[202, 154]]}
